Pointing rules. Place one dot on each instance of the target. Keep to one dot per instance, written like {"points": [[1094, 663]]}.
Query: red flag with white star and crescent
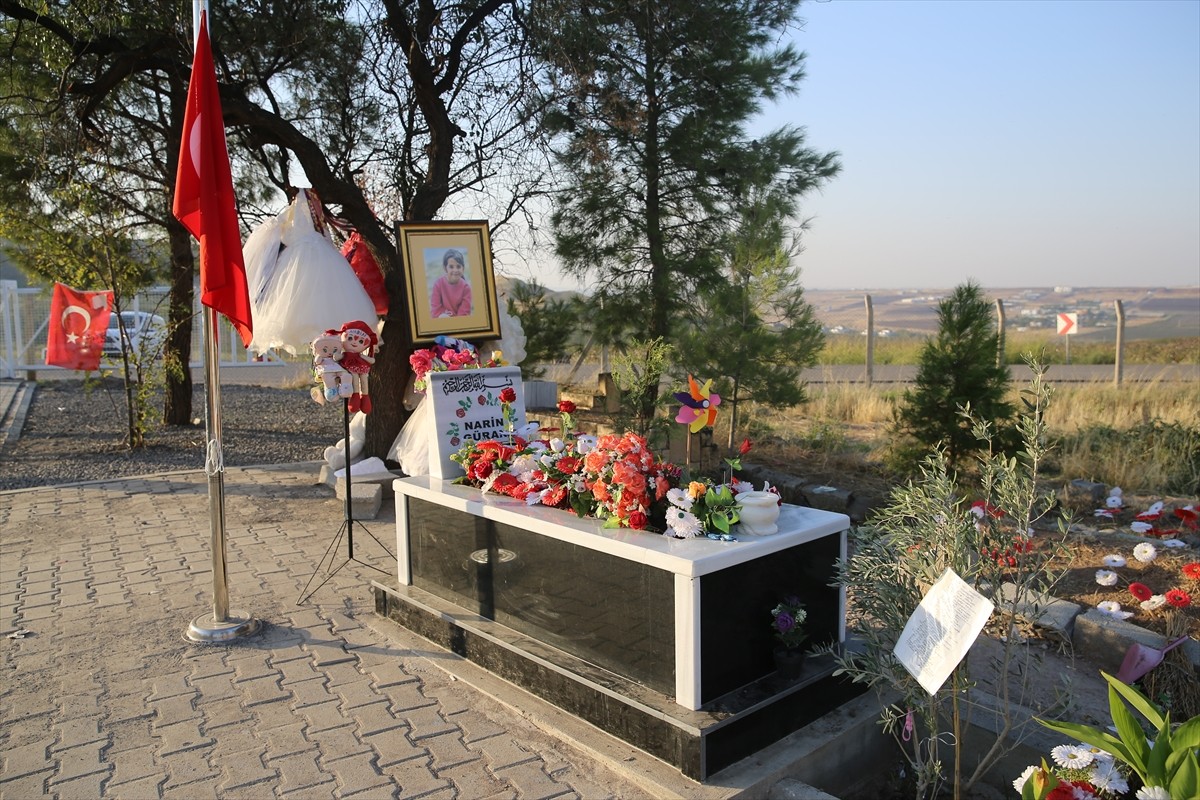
{"points": [[78, 322], [204, 200]]}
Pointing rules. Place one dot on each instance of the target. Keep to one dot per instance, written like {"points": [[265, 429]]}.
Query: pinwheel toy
{"points": [[700, 403]]}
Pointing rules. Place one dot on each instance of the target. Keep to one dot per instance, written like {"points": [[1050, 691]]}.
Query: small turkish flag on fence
{"points": [[204, 200], [78, 321]]}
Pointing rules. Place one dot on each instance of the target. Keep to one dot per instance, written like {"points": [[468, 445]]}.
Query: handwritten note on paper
{"points": [[942, 630]]}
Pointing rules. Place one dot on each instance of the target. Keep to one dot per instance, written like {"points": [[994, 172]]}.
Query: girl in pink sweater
{"points": [[451, 295]]}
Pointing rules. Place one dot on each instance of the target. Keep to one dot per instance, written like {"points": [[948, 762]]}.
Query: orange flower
{"points": [[662, 486], [696, 489]]}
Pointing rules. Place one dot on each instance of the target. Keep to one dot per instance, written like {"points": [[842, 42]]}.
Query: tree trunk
{"points": [[177, 394], [390, 372]]}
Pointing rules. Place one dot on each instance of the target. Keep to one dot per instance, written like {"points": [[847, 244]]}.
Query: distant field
{"points": [[1150, 313]]}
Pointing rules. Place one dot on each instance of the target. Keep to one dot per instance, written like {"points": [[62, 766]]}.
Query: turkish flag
{"points": [[78, 321], [204, 200]]}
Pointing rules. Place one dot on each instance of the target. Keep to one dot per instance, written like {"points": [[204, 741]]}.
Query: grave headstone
{"points": [[466, 405]]}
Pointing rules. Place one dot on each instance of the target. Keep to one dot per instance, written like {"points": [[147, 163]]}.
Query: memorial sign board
{"points": [[466, 405]]}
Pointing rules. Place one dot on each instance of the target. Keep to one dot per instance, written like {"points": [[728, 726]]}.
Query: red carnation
{"points": [[508, 395], [1141, 591], [638, 520], [566, 407], [1192, 570], [482, 469], [1179, 598]]}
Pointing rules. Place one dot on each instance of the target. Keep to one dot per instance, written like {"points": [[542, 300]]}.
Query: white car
{"points": [[145, 334]]}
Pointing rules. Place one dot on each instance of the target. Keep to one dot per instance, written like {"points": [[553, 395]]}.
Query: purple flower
{"points": [[784, 622]]}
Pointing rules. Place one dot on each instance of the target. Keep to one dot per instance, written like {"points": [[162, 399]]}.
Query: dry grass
{"points": [[1142, 437], [1079, 406]]}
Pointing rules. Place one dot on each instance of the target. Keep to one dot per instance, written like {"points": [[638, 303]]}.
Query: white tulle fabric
{"points": [[307, 289], [411, 447]]}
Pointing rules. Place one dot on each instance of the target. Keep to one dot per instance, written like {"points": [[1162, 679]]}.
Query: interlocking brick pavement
{"points": [[104, 697]]}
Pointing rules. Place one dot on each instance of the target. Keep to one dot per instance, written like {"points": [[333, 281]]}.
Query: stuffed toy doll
{"points": [[358, 341], [328, 351]]}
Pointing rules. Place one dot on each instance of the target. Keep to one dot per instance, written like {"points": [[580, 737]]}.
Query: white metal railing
{"points": [[24, 321]]}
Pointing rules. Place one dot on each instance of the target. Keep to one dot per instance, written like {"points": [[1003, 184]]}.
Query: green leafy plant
{"points": [[928, 527], [1169, 762]]}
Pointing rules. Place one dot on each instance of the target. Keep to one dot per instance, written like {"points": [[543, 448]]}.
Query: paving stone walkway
{"points": [[103, 697]]}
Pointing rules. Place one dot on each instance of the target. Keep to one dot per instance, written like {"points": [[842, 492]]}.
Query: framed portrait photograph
{"points": [[451, 284]]}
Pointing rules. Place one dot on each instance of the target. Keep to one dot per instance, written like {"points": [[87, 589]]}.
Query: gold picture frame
{"points": [[438, 304]]}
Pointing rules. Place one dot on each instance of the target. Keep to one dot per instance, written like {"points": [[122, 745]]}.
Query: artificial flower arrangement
{"points": [[448, 354], [616, 478], [1103, 765], [1143, 596], [787, 622], [1009, 553]]}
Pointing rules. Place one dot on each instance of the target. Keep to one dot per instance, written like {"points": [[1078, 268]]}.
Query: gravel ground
{"points": [[75, 432]]}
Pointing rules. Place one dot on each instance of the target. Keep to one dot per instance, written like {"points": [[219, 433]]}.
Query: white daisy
{"points": [[1019, 783], [1174, 544], [1137, 526], [683, 523], [1154, 603], [1145, 552], [1115, 561], [679, 497], [1106, 577], [738, 486], [1113, 501], [1107, 777], [1152, 793], [1113, 609], [1071, 756]]}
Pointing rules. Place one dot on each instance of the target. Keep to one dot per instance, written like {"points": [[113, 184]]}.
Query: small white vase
{"points": [[758, 512]]}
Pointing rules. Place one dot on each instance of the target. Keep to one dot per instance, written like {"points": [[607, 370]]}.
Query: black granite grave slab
{"points": [[610, 611], [698, 743]]}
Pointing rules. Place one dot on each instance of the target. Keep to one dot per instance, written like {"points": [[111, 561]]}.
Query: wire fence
{"points": [[868, 337]]}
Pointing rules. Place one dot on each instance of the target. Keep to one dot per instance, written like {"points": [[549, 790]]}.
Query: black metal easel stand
{"points": [[347, 528]]}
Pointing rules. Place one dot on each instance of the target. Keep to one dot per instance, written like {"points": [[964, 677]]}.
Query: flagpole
{"points": [[221, 625]]}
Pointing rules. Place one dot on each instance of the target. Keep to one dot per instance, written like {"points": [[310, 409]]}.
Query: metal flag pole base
{"points": [[221, 624], [346, 530], [205, 628]]}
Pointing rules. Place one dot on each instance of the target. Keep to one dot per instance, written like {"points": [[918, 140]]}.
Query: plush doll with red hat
{"points": [[359, 342]]}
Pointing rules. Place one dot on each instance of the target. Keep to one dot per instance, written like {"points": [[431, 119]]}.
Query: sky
{"points": [[1009, 142]]}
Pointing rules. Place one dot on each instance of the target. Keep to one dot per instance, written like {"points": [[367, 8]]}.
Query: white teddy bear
{"points": [[335, 455]]}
